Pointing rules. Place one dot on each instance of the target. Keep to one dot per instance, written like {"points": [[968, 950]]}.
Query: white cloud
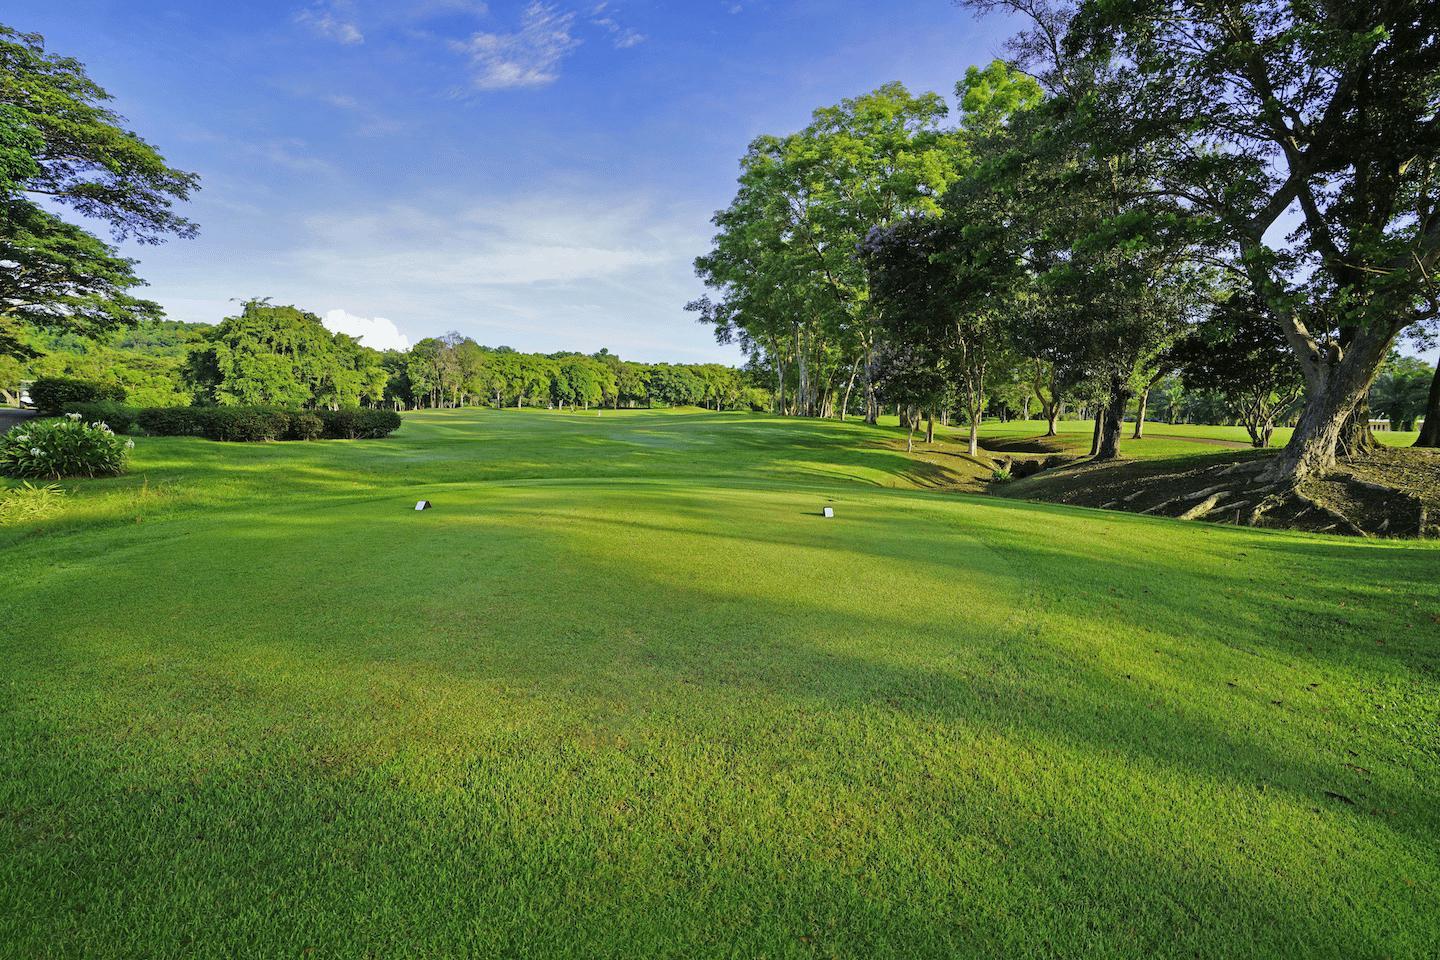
{"points": [[330, 19], [374, 332], [529, 57]]}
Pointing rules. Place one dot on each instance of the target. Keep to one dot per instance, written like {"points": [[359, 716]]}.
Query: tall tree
{"points": [[61, 144], [790, 288], [266, 354], [1305, 136]]}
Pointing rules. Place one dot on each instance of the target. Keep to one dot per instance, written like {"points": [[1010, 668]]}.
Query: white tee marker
{"points": [[829, 512], [422, 505]]}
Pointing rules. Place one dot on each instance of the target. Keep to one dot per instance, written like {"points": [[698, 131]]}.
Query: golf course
{"points": [[625, 691]]}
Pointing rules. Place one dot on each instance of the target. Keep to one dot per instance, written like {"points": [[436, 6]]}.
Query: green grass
{"points": [[624, 692], [1161, 439]]}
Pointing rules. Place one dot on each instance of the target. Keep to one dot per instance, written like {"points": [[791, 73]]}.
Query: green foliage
{"points": [[359, 423], [60, 140], [255, 424], [146, 361], [51, 394], [282, 356], [170, 421], [117, 416], [305, 425], [1400, 391], [782, 263], [64, 447], [243, 424]]}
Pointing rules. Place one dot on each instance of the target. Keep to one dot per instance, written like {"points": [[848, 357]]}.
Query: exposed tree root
{"points": [[1346, 500], [1202, 508], [1340, 519]]}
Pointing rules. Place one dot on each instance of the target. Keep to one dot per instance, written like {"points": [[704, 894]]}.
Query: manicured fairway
{"points": [[625, 693]]}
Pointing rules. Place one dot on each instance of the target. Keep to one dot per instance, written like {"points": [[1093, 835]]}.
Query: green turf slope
{"points": [[624, 693]]}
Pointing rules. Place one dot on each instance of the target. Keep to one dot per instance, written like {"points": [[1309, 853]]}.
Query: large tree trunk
{"points": [[929, 426], [974, 446], [1335, 388], [1052, 413], [1095, 434], [1356, 439], [1430, 432], [1112, 421]]}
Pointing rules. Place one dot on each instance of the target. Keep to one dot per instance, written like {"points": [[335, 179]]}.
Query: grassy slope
{"points": [[623, 693]]}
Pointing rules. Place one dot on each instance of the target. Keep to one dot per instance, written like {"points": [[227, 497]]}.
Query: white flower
{"points": [[23, 438], [34, 451], [129, 444], [72, 416]]}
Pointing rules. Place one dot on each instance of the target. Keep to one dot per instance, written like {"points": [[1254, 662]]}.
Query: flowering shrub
{"points": [[69, 447]]}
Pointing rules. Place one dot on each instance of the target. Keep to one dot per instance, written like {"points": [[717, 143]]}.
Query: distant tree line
{"points": [[282, 356], [455, 371]]}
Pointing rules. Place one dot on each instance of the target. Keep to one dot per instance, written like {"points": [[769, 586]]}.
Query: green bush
{"points": [[359, 423], [169, 421], [257, 424], [245, 424], [51, 394], [305, 425], [68, 447], [116, 416]]}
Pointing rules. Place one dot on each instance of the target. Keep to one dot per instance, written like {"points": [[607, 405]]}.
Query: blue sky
{"points": [[529, 173]]}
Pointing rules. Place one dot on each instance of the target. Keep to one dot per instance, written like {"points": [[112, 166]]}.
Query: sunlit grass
{"points": [[624, 692]]}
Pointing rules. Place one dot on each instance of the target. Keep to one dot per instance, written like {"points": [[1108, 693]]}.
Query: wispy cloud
{"points": [[528, 57], [554, 269], [621, 36], [331, 19], [371, 122]]}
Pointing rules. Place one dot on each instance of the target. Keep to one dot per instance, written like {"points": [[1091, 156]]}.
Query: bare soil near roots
{"points": [[1389, 493]]}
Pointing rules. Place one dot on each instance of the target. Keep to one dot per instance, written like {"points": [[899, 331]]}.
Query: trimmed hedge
{"points": [[259, 424], [359, 423], [51, 394], [168, 421], [116, 416]]}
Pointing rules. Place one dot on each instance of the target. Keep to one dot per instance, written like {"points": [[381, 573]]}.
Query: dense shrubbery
{"points": [[68, 447], [51, 394], [359, 423], [117, 416], [255, 424]]}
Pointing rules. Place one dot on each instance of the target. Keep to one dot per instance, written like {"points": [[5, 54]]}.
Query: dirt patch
{"points": [[1393, 492]]}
